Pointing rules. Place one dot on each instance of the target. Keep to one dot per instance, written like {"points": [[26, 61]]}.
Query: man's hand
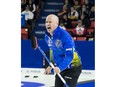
{"points": [[48, 70], [57, 70]]}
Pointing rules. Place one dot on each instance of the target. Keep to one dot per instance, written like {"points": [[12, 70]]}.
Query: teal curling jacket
{"points": [[63, 50]]}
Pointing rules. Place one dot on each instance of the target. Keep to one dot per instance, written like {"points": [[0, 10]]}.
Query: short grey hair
{"points": [[56, 19]]}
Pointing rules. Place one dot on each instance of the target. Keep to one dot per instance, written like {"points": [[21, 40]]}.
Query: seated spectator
{"points": [[73, 17], [66, 22], [73, 14], [92, 17], [85, 21], [32, 7], [67, 3], [88, 6], [80, 30], [29, 19], [62, 12], [83, 11], [92, 14], [76, 5], [28, 14]]}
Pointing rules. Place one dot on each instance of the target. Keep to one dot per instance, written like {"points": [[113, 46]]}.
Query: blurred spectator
{"points": [[76, 5], [85, 21], [73, 17], [29, 20], [62, 12], [73, 14], [32, 7], [80, 30], [67, 3], [23, 5], [88, 6], [92, 14], [28, 14], [83, 11], [66, 22]]}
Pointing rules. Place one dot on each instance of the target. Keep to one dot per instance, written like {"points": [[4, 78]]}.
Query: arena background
{"points": [[32, 61], [10, 57]]}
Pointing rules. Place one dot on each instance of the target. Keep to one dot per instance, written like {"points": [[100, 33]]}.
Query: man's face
{"points": [[51, 24]]}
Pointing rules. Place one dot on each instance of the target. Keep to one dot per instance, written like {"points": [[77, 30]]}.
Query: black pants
{"points": [[70, 76]]}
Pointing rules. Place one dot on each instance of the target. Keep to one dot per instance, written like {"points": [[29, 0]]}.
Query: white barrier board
{"points": [[37, 75]]}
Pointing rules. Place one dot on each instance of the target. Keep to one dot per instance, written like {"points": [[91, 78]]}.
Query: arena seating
{"points": [[24, 33]]}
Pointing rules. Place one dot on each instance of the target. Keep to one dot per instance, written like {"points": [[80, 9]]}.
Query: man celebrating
{"points": [[64, 55]]}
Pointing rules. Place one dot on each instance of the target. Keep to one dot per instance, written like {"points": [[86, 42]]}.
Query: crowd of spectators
{"points": [[77, 16], [29, 13]]}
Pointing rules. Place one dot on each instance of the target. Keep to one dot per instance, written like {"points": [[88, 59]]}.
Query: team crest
{"points": [[58, 43]]}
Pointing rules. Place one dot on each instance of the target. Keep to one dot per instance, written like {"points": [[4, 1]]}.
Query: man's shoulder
{"points": [[61, 28], [61, 32]]}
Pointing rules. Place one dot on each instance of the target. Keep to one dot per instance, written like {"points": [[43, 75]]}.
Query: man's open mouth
{"points": [[48, 27]]}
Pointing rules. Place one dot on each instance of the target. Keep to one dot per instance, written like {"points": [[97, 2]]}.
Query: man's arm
{"points": [[68, 46]]}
